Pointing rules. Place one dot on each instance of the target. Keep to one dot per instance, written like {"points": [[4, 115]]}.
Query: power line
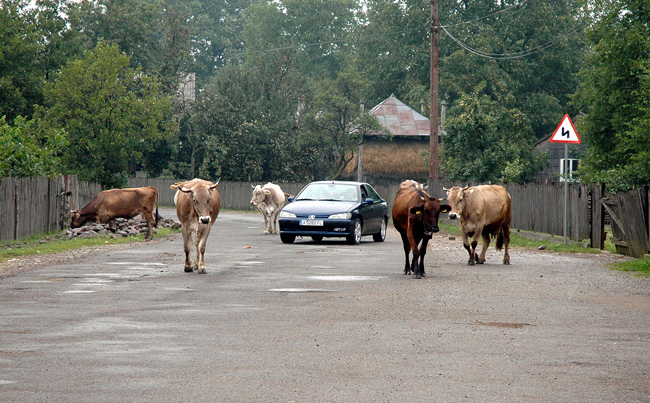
{"points": [[484, 17], [515, 55]]}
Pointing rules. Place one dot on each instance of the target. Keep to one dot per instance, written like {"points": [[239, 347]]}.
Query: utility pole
{"points": [[433, 113], [362, 105]]}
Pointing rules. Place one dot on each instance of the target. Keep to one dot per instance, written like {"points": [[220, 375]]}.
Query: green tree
{"points": [[335, 124], [615, 95], [487, 142], [27, 150], [20, 48], [111, 112]]}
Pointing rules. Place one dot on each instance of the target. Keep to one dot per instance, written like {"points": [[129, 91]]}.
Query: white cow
{"points": [[269, 199], [409, 182]]}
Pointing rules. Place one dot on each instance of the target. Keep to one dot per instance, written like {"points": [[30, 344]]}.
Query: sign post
{"points": [[566, 133]]}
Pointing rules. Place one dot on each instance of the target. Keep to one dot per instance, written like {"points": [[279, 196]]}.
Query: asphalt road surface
{"points": [[325, 322]]}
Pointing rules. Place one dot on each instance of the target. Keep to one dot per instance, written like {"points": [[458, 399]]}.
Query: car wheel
{"points": [[355, 238], [287, 238], [381, 235], [317, 238]]}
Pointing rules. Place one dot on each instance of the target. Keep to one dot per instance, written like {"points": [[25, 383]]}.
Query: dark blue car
{"points": [[335, 209]]}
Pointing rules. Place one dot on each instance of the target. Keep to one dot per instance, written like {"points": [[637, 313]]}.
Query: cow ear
{"points": [[267, 192], [468, 192], [416, 210], [445, 208]]}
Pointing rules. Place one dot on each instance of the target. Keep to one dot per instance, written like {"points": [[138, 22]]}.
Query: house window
{"points": [[570, 164]]}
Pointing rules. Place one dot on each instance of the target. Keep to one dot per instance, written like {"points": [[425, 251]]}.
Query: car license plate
{"points": [[312, 222]]}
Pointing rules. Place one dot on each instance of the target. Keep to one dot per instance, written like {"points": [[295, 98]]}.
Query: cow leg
{"points": [[413, 243], [475, 236], [486, 244], [506, 242], [407, 251], [187, 242], [201, 241], [267, 227], [274, 220], [423, 251], [149, 217], [470, 262]]}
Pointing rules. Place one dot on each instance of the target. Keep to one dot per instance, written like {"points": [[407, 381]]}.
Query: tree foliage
{"points": [[279, 82], [488, 142], [111, 113], [28, 150], [615, 95]]}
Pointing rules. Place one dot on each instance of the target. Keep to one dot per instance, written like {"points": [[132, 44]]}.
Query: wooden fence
{"points": [[37, 205]]}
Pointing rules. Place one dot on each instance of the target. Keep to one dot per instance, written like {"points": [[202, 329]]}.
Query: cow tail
{"points": [[499, 244], [157, 216]]}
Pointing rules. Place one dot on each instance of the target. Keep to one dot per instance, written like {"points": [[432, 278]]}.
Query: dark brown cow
{"points": [[482, 211], [415, 216], [197, 207], [119, 203]]}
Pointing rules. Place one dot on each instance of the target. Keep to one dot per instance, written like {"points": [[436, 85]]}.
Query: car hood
{"points": [[319, 208]]}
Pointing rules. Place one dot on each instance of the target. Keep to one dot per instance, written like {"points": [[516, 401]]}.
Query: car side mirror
{"points": [[368, 201], [290, 198]]}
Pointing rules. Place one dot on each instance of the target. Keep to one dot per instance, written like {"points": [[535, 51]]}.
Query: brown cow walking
{"points": [[197, 207], [482, 211], [415, 216], [119, 203]]}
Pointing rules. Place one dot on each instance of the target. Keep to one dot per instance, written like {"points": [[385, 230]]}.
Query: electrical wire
{"points": [[515, 55], [484, 17]]}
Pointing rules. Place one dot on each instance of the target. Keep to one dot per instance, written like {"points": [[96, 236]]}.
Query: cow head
{"points": [[75, 221], [428, 209], [201, 196], [259, 194], [456, 196]]}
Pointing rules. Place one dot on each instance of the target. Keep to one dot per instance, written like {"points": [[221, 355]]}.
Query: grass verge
{"points": [[49, 243], [516, 240], [641, 266]]}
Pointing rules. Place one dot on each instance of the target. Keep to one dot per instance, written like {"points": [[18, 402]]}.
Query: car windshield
{"points": [[329, 192]]}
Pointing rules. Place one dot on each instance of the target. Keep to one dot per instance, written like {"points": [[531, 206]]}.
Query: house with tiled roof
{"points": [[399, 150]]}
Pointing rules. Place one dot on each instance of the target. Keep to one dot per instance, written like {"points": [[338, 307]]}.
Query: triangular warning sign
{"points": [[565, 132]]}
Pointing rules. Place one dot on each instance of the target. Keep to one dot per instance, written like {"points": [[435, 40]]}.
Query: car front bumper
{"points": [[330, 227]]}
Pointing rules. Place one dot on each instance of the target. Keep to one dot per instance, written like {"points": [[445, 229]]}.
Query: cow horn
{"points": [[445, 189], [441, 200], [216, 184], [466, 187]]}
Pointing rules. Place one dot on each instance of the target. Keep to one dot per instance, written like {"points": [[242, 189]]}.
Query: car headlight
{"points": [[284, 214], [340, 216]]}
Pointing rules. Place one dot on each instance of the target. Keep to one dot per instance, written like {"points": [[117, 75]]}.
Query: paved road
{"points": [[324, 323]]}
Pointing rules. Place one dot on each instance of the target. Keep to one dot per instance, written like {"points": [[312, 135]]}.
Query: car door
{"points": [[372, 213]]}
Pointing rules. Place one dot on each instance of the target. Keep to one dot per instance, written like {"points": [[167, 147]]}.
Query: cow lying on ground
{"points": [[197, 207], [269, 200], [482, 211], [119, 203], [415, 216]]}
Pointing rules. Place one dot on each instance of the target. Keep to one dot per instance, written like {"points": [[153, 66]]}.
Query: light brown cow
{"points": [[119, 203], [197, 207], [415, 216], [269, 200], [482, 211]]}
